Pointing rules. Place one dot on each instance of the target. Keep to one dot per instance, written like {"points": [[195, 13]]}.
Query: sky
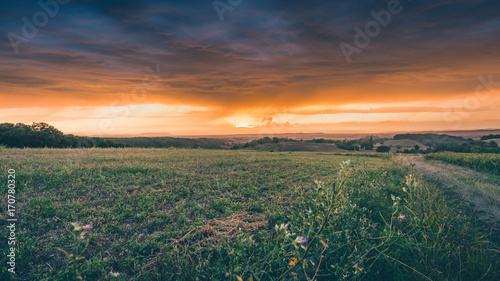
{"points": [[204, 67]]}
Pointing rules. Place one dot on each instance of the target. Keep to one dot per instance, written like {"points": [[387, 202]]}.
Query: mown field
{"points": [[404, 143], [177, 214], [482, 162], [495, 140]]}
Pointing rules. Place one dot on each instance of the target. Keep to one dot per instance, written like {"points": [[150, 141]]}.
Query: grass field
{"points": [[176, 214], [478, 192], [482, 162]]}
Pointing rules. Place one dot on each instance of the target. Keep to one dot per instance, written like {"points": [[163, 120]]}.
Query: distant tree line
{"points": [[434, 143], [363, 143], [356, 144], [439, 143], [490, 137], [263, 140], [44, 135]]}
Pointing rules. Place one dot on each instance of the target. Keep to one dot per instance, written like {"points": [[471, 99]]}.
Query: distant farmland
{"points": [[311, 147], [495, 140], [404, 143]]}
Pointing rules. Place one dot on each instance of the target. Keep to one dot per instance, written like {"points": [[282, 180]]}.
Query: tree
{"points": [[383, 148], [44, 135], [47, 135], [417, 147]]}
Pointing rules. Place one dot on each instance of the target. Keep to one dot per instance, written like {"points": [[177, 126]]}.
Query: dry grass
{"points": [[209, 235], [227, 228]]}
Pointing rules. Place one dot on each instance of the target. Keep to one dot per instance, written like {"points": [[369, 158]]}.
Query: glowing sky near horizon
{"points": [[172, 67]]}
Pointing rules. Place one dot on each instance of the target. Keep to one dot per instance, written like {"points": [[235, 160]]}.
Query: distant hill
{"points": [[474, 134], [242, 138], [490, 137], [451, 143], [404, 143], [432, 139]]}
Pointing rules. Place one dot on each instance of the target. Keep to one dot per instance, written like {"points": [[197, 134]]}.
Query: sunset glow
{"points": [[175, 68]]}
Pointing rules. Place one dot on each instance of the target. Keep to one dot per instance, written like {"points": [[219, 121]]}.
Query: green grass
{"points": [[482, 162], [176, 214], [477, 192]]}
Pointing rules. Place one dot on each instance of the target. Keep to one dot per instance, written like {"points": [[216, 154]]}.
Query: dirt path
{"points": [[480, 192]]}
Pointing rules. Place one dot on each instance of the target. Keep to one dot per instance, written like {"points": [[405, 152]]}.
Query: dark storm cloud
{"points": [[262, 52]]}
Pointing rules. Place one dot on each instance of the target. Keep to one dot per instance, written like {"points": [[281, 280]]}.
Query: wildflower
{"points": [[411, 181], [345, 164], [402, 217], [282, 227], [249, 240], [88, 227], [77, 225], [319, 185], [395, 200], [114, 274], [300, 241]]}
